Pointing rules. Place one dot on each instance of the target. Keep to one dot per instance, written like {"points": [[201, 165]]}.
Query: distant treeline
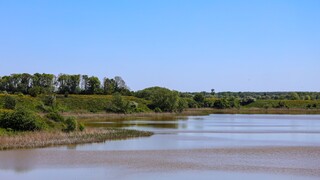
{"points": [[259, 95], [62, 84]]}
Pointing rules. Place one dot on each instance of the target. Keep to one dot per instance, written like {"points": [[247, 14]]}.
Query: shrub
{"points": [[22, 120], [118, 104], [247, 100], [282, 104], [49, 100], [9, 102], [157, 110], [199, 98], [221, 104], [71, 124], [35, 91], [81, 127], [55, 117]]}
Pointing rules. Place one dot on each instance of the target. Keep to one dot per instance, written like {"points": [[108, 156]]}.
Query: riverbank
{"points": [[25, 140]]}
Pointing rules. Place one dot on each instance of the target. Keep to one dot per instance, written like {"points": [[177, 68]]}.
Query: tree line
{"points": [[258, 95], [62, 84]]}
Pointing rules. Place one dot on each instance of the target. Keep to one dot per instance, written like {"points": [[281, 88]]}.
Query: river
{"points": [[218, 146]]}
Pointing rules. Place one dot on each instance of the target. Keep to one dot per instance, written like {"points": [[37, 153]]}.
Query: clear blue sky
{"points": [[187, 45]]}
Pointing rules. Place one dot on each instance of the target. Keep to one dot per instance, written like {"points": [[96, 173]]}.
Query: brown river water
{"points": [[197, 147]]}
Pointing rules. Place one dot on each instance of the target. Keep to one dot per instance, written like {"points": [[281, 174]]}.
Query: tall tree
{"points": [[109, 86], [93, 85]]}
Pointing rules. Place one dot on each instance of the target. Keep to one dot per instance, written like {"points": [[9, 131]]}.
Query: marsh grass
{"points": [[24, 140]]}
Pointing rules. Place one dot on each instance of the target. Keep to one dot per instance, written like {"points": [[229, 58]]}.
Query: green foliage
{"points": [[182, 105], [49, 100], [55, 116], [161, 98], [221, 104], [69, 84], [81, 127], [71, 124], [119, 105], [302, 104], [209, 102], [247, 100], [282, 104], [37, 84], [9, 102], [225, 103], [43, 82], [157, 110], [294, 96], [191, 103], [22, 120], [199, 97], [34, 91], [92, 85]]}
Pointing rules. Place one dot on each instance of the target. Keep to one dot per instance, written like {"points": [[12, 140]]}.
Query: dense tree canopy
{"points": [[63, 83], [162, 98]]}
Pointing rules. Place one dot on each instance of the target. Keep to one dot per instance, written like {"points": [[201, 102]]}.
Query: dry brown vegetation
{"points": [[39, 139]]}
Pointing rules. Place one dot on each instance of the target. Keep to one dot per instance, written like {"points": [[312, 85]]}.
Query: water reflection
{"points": [[169, 124], [194, 132]]}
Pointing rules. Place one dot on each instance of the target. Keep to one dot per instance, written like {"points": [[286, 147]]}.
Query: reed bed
{"points": [[24, 140]]}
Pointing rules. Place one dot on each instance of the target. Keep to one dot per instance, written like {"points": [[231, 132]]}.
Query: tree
{"points": [[221, 104], [213, 92], [25, 83], [294, 96], [68, 84], [109, 86], [120, 83], [307, 97], [45, 82], [199, 97], [161, 98], [93, 86], [182, 105]]}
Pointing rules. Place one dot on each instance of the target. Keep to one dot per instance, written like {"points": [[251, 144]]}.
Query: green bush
{"points": [[35, 91], [157, 110], [119, 105], [182, 105], [81, 127], [247, 100], [21, 120], [162, 98], [55, 116], [49, 100], [9, 102], [221, 104], [71, 124]]}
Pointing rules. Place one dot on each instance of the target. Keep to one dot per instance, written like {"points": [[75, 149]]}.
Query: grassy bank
{"points": [[72, 103], [23, 140], [97, 104], [89, 117]]}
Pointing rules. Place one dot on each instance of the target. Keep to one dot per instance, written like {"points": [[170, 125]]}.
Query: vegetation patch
{"points": [[23, 140]]}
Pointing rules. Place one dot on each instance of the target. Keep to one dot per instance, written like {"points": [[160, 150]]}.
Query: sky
{"points": [[186, 45]]}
